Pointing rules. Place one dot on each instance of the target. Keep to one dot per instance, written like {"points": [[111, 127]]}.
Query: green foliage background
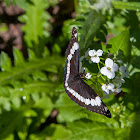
{"points": [[32, 88]]}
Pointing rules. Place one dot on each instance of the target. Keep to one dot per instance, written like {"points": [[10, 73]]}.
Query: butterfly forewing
{"points": [[72, 53], [75, 87]]}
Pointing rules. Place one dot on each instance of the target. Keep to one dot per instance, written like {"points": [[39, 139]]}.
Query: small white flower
{"points": [[95, 55], [118, 80], [117, 90], [109, 69], [21, 89], [88, 75], [120, 61], [124, 71], [107, 88], [132, 39], [23, 97]]}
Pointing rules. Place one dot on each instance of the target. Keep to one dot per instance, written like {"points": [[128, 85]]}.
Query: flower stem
{"points": [[98, 66], [102, 77], [102, 62], [102, 58]]}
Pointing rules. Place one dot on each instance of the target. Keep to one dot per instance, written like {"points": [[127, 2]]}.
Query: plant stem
{"points": [[98, 66], [102, 62]]}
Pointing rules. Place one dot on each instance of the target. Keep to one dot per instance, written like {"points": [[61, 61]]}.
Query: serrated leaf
{"points": [[46, 52], [46, 86], [18, 57], [126, 5], [35, 96], [5, 103], [28, 68], [39, 75], [67, 109], [60, 132], [36, 26], [4, 91], [5, 62], [44, 103], [16, 101], [31, 54], [121, 42]]}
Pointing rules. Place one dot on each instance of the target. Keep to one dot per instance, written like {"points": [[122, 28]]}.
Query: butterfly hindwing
{"points": [[87, 97], [75, 87]]}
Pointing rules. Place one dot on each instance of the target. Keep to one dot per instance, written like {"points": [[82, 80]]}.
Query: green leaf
{"points": [[101, 36], [104, 48], [88, 130], [31, 54], [36, 27], [21, 3], [126, 5], [10, 121], [5, 103], [53, 132], [44, 103], [28, 68], [18, 57], [121, 42], [60, 133], [91, 67], [91, 26], [135, 128], [5, 62], [67, 109], [3, 28], [4, 91], [46, 52], [92, 2], [16, 101], [7, 2], [39, 75]]}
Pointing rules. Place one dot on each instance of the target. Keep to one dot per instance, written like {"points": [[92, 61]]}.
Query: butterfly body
{"points": [[79, 91]]}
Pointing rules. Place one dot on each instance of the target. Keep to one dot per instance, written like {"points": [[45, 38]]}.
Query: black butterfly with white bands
{"points": [[75, 87]]}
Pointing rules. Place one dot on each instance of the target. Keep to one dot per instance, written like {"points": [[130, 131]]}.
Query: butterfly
{"points": [[79, 91]]}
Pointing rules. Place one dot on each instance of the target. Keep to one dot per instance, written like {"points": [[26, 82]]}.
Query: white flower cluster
{"points": [[95, 55], [109, 70]]}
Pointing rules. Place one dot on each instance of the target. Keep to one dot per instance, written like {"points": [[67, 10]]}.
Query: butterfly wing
{"points": [[85, 96], [72, 62], [75, 87], [72, 54]]}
